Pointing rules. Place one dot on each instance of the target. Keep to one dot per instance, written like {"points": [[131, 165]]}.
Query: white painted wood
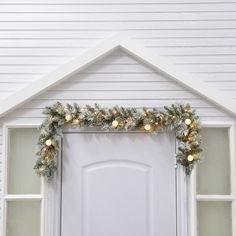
{"points": [[183, 46], [193, 197], [105, 47], [114, 2], [209, 16], [75, 34], [119, 184], [23, 197], [118, 25], [215, 198], [5, 197], [119, 8], [52, 218], [178, 75], [68, 70], [109, 17], [233, 174], [192, 205], [4, 179], [182, 201]]}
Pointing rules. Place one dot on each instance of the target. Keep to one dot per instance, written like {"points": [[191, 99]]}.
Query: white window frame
{"points": [[50, 209], [194, 197], [19, 197]]}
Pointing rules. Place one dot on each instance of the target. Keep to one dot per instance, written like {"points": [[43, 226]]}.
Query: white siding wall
{"points": [[38, 36]]}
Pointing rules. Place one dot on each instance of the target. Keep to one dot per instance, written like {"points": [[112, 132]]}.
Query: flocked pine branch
{"points": [[180, 118]]}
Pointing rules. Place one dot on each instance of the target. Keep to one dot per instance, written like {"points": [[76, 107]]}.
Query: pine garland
{"points": [[180, 118]]}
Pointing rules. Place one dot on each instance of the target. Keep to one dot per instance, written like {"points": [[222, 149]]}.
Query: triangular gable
{"points": [[119, 40]]}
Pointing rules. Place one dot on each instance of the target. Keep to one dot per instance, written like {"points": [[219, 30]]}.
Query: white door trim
{"points": [[53, 204]]}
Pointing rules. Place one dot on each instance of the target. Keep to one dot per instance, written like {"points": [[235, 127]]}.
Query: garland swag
{"points": [[180, 118]]}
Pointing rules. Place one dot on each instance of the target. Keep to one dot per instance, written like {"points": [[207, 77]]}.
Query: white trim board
{"points": [[119, 40]]}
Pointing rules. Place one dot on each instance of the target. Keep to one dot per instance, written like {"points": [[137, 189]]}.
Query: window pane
{"points": [[22, 146], [214, 219], [23, 218], [213, 174]]}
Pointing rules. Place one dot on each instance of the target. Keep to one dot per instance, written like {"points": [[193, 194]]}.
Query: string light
{"points": [[147, 127], [76, 121], [122, 118], [115, 123], [186, 108], [48, 142], [190, 157], [145, 114], [187, 121], [44, 151], [190, 138], [114, 111], [68, 117]]}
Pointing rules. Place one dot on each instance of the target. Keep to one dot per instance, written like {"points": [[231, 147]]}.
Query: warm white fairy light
{"points": [[48, 142], [187, 121], [147, 127], [115, 123]]}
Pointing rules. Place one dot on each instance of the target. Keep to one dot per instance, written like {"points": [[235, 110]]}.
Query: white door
{"points": [[118, 184]]}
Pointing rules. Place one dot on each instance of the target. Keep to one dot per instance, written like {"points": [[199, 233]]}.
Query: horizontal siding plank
{"points": [[121, 69], [203, 59], [102, 86], [118, 59], [91, 69], [120, 25], [80, 34], [142, 86], [7, 87], [80, 95], [16, 78], [26, 69], [5, 94], [221, 7], [113, 17], [197, 103], [70, 43], [90, 77], [213, 77], [56, 61], [128, 77], [231, 50], [98, 86], [111, 2]]}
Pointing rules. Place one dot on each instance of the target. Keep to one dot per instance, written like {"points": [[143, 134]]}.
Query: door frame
{"points": [[186, 198], [53, 204]]}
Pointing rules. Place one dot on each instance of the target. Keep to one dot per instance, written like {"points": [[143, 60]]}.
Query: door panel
{"points": [[118, 184]]}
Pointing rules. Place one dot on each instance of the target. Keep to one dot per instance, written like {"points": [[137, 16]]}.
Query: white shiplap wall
{"points": [[38, 36]]}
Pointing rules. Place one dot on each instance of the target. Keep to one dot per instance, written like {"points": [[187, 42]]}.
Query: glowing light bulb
{"points": [[115, 123], [187, 121], [147, 127]]}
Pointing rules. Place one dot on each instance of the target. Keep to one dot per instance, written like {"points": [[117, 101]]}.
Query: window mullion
{"points": [[15, 197], [214, 197]]}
